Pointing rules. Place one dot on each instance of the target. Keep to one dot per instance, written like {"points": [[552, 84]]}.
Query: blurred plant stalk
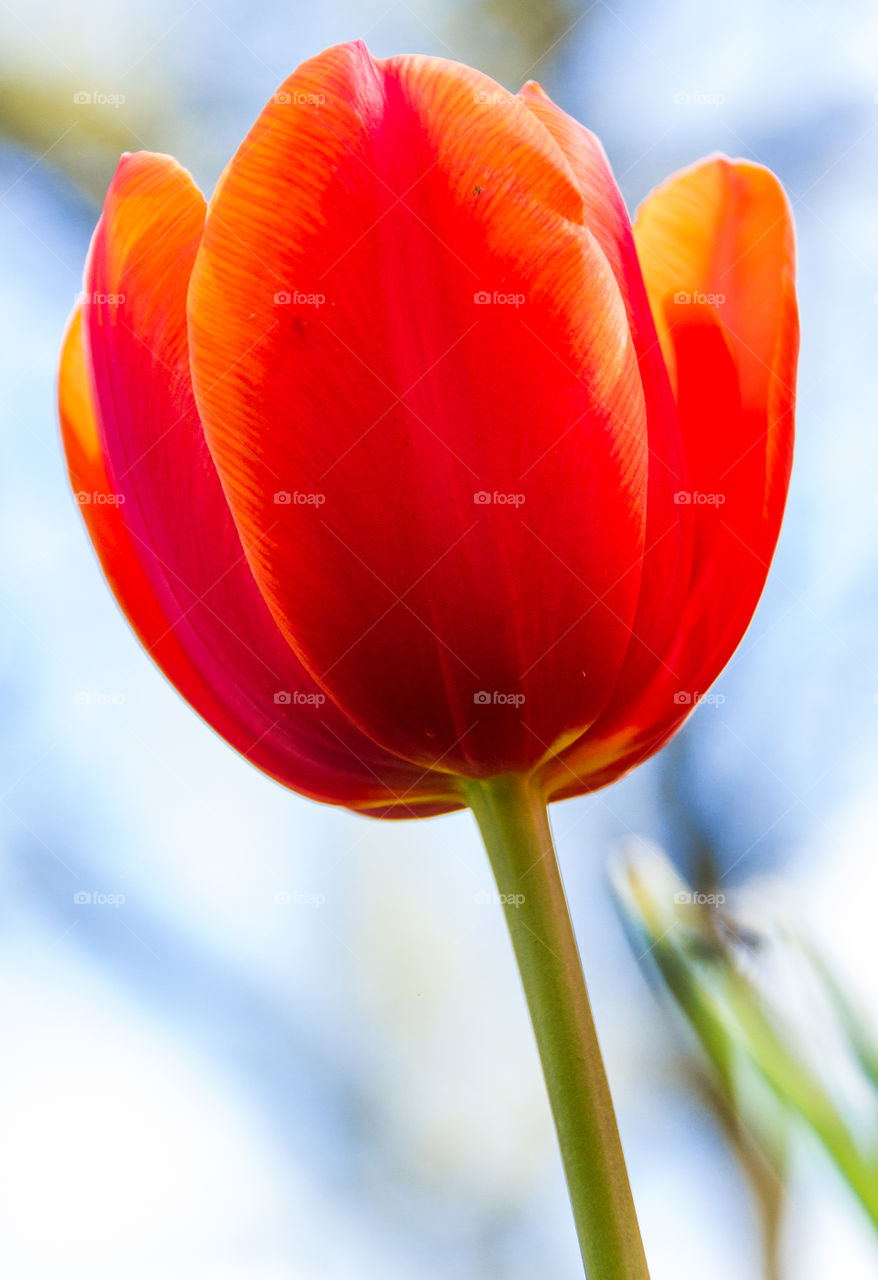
{"points": [[758, 1070]]}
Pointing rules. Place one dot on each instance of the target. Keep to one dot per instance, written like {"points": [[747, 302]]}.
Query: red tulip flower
{"points": [[410, 461], [424, 465]]}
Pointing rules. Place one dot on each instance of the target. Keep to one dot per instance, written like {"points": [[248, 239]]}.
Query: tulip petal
{"points": [[667, 561], [717, 250], [402, 323], [98, 502], [160, 523]]}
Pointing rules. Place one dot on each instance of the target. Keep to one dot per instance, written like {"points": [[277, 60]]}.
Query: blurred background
{"points": [[277, 1040]]}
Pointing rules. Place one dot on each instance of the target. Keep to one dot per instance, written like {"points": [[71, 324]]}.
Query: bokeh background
{"points": [[298, 1047]]}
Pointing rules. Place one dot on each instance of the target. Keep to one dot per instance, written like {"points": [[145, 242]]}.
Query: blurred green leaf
{"points": [[694, 945]]}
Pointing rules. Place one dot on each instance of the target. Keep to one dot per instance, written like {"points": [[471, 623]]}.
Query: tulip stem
{"points": [[511, 813]]}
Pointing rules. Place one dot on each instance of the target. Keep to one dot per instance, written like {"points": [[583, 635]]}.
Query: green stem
{"points": [[512, 818]]}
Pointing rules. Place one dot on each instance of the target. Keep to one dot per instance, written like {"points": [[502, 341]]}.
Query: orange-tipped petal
{"points": [[721, 234], [717, 249]]}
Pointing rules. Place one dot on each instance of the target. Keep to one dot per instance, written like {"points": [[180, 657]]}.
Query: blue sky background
{"points": [[208, 1080]]}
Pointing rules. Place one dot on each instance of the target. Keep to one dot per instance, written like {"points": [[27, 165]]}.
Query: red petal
{"points": [[168, 544], [716, 246], [400, 192], [667, 562]]}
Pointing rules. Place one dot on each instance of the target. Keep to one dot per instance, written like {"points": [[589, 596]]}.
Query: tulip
{"points": [[429, 481]]}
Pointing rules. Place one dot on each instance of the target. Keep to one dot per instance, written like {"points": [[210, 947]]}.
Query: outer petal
{"points": [[165, 536], [100, 505], [716, 246], [413, 195]]}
